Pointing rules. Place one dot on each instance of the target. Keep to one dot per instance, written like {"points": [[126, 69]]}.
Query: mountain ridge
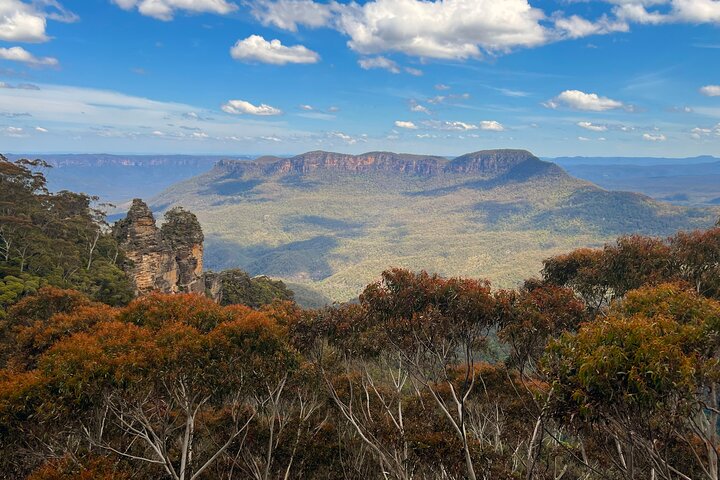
{"points": [[331, 221], [485, 162]]}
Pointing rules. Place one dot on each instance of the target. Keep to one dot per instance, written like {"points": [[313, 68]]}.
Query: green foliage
{"points": [[13, 288], [59, 238], [335, 232], [237, 288]]}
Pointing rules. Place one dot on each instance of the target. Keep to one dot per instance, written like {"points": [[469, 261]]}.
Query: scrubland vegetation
{"points": [[607, 366]]}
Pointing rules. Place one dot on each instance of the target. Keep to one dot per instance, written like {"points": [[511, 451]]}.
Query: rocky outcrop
{"points": [[167, 259]]}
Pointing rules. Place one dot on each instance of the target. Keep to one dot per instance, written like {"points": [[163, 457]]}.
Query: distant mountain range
{"points": [[683, 181], [120, 178], [332, 222]]}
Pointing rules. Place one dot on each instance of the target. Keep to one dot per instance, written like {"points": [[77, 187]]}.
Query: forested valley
{"points": [[606, 366]]}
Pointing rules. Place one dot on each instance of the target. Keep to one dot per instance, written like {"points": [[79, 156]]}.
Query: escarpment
{"points": [[486, 163]]}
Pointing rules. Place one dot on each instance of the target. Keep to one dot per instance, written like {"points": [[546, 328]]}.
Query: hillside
{"points": [[333, 222]]}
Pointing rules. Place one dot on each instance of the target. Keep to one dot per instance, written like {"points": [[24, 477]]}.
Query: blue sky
{"points": [[611, 77]]}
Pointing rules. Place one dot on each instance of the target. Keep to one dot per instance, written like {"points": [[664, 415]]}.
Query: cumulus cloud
{"points": [[349, 139], [416, 107], [15, 132], [462, 29], [26, 22], [701, 132], [165, 9], [449, 29], [696, 11], [711, 90], [19, 54], [654, 137], [404, 124], [289, 14], [379, 62], [655, 12], [578, 100], [491, 125], [238, 107], [256, 49], [592, 127], [578, 27]]}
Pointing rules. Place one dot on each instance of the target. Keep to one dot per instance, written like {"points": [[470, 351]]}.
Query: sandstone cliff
{"points": [[487, 163], [168, 259]]}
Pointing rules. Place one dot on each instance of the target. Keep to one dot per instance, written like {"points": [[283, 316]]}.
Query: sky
{"points": [[444, 77]]}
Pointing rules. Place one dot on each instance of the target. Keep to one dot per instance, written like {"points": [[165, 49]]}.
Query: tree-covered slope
{"points": [[333, 222]]}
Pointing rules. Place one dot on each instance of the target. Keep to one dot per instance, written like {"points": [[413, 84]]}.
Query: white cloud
{"points": [[256, 49], [696, 11], [448, 29], [462, 29], [403, 124], [90, 119], [450, 125], [379, 62], [307, 108], [288, 14], [19, 54], [654, 137], [711, 90], [491, 125], [350, 140], [238, 107], [165, 9], [583, 139], [578, 100], [41, 129], [592, 127], [416, 107], [667, 11], [414, 71], [26, 22], [637, 12], [578, 27], [700, 132], [15, 132], [271, 138], [442, 98], [442, 86]]}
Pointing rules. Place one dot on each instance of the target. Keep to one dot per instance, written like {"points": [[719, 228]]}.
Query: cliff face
{"points": [[488, 163], [319, 160], [168, 259]]}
